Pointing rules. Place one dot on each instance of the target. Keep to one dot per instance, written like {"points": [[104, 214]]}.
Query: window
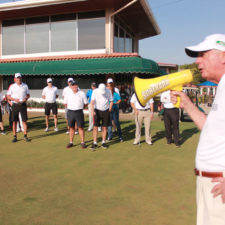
{"points": [[37, 35], [13, 37], [56, 33], [63, 33], [123, 38]]}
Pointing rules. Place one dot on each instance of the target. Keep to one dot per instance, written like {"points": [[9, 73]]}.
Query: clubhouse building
{"points": [[89, 40]]}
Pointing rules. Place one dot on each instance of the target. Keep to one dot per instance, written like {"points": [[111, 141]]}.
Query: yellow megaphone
{"points": [[146, 89]]}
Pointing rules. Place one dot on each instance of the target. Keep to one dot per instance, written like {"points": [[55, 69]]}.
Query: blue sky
{"points": [[182, 23]]}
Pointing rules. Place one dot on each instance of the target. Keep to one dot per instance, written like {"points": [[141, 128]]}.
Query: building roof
{"points": [[86, 65]]}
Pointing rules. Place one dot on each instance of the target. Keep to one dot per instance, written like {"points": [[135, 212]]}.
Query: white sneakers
{"points": [[55, 129], [46, 129], [149, 142]]}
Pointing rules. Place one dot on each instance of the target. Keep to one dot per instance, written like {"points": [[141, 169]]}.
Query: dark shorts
{"points": [[19, 108], [49, 107], [75, 116], [0, 114], [102, 118]]}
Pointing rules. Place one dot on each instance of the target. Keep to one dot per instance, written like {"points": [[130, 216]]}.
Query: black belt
{"points": [[144, 109]]}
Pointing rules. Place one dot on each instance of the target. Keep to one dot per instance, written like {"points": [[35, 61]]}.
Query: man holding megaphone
{"points": [[210, 157]]}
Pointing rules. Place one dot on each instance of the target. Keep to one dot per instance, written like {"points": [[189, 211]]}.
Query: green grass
{"points": [[43, 183]]}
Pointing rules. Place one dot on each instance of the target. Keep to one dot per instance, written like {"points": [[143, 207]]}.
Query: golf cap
{"points": [[93, 84], [110, 80], [214, 41], [17, 75], [102, 88], [49, 80], [70, 80], [74, 82]]}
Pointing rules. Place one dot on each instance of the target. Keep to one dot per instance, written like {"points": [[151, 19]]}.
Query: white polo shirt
{"points": [[65, 91], [165, 99], [50, 94], [75, 101], [210, 154], [102, 101], [138, 106], [18, 91]]}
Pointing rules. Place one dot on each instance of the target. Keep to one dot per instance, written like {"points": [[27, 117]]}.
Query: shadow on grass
{"points": [[188, 133]]}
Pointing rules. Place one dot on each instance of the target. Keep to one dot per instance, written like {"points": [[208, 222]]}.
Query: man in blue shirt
{"points": [[89, 94], [114, 114]]}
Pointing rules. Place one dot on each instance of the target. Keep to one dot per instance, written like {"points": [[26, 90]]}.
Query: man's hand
{"points": [[184, 99], [219, 189]]}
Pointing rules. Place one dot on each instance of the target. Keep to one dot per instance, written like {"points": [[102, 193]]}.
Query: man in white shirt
{"points": [[75, 102], [18, 93], [171, 119], [50, 94], [67, 89], [101, 106], [142, 114], [210, 156]]}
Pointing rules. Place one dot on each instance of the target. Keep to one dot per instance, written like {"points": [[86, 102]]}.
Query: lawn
{"points": [[43, 183]]}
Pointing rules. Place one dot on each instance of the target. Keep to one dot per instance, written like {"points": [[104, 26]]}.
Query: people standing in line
{"points": [[101, 106], [75, 102], [210, 156], [88, 95], [1, 121], [114, 114], [142, 114], [171, 119], [64, 93], [50, 94], [18, 93]]}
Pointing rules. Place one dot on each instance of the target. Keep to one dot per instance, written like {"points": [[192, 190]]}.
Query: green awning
{"points": [[88, 66]]}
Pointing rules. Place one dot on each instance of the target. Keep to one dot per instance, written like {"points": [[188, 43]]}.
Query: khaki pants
{"points": [[143, 115], [210, 211]]}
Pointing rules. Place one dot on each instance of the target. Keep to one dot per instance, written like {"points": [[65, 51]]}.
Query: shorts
{"points": [[75, 116], [19, 108], [49, 107], [102, 116], [0, 115]]}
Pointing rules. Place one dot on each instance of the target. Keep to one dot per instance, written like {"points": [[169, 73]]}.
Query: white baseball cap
{"points": [[70, 79], [18, 75], [214, 41], [110, 80], [102, 88], [49, 80]]}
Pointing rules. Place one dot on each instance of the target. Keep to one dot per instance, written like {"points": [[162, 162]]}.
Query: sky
{"points": [[182, 23]]}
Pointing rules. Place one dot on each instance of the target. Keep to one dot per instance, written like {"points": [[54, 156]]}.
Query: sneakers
{"points": [[104, 146], [99, 129], [46, 129], [76, 132], [121, 139], [56, 129], [109, 139], [89, 130], [26, 139], [83, 145], [135, 143], [93, 146], [67, 132], [14, 139], [149, 142], [3, 132], [70, 145]]}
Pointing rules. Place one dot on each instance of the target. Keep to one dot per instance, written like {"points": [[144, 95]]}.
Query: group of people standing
{"points": [[103, 106]]}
